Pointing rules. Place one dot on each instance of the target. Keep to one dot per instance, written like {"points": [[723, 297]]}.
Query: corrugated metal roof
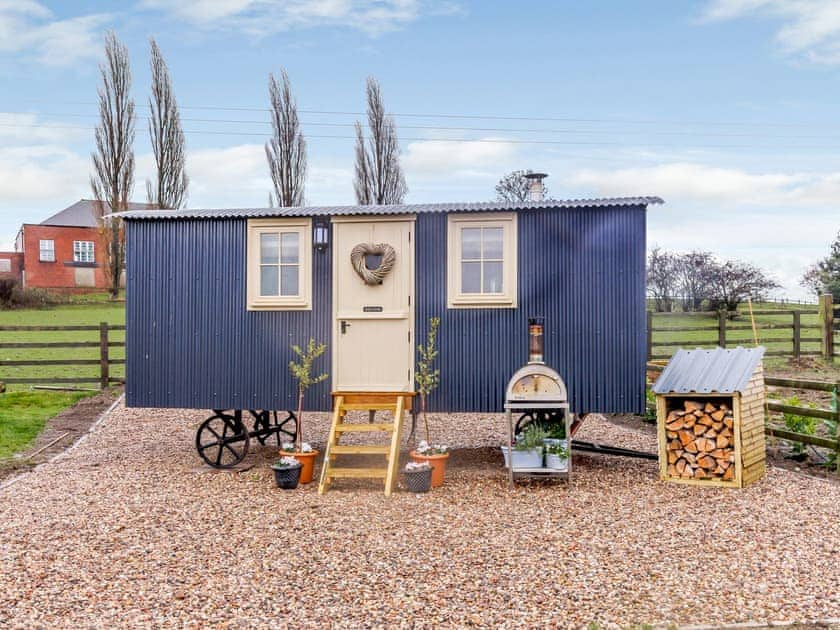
{"points": [[83, 214], [420, 208], [700, 371]]}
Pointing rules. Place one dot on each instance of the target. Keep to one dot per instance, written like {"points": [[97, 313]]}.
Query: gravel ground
{"points": [[128, 530]]}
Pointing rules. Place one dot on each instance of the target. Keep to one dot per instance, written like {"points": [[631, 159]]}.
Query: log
{"points": [[729, 475], [718, 415], [705, 420], [685, 437], [699, 429], [709, 407], [721, 441], [706, 462], [690, 458], [689, 420], [675, 415], [681, 466], [692, 405], [711, 434], [729, 422], [691, 447], [672, 435], [674, 445], [673, 457], [676, 425]]}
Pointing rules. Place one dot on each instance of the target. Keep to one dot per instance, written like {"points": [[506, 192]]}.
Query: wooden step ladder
{"points": [[396, 402]]}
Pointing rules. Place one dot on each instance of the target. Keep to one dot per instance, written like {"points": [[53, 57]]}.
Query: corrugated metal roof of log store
{"points": [[417, 208], [699, 371]]}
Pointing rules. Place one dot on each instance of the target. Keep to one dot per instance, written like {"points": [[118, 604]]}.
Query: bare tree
{"points": [[113, 161], [286, 151], [169, 190], [662, 279], [379, 178], [733, 281]]}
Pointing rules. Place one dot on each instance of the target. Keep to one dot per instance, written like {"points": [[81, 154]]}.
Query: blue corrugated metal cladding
{"points": [[192, 343]]}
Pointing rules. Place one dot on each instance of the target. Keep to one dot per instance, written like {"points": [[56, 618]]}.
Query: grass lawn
{"points": [[24, 414], [90, 313]]}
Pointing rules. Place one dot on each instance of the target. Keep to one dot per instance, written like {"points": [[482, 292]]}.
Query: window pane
{"points": [[268, 280], [493, 243], [492, 277], [471, 277], [471, 243], [289, 247], [289, 280], [268, 249]]}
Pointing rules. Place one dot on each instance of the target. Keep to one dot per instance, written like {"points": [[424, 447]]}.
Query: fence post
{"points": [[722, 329], [827, 324], [797, 334], [104, 376], [649, 335]]}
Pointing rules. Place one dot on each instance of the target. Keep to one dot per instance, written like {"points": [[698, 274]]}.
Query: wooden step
{"points": [[360, 449], [374, 426], [361, 473]]}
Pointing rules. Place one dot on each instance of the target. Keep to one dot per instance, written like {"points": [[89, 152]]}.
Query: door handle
{"points": [[344, 326]]}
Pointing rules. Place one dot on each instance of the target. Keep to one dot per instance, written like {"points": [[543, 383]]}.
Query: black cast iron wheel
{"points": [[222, 440], [548, 420]]}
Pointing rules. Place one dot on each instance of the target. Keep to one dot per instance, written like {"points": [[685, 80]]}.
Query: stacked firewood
{"points": [[701, 441]]}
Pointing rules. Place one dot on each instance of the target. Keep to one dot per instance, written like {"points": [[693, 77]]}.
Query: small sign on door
{"points": [[372, 309]]}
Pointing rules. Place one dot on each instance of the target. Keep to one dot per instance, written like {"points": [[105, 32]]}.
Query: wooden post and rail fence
{"points": [[793, 333], [101, 376]]}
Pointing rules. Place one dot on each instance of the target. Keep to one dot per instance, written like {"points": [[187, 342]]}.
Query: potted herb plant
{"points": [[302, 372], [287, 472], [557, 456], [418, 476], [428, 378], [527, 449]]}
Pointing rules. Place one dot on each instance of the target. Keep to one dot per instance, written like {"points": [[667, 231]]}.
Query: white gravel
{"points": [[127, 530]]}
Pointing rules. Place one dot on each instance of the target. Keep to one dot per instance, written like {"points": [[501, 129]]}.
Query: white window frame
{"points": [[42, 250], [508, 297], [302, 301], [84, 252]]}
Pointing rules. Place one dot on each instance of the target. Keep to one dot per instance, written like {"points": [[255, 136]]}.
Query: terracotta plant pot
{"points": [[438, 464], [307, 462]]}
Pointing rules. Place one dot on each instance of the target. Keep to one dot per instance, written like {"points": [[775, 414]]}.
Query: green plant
{"points": [[427, 377], [303, 374], [799, 423], [650, 406], [560, 450], [531, 437]]}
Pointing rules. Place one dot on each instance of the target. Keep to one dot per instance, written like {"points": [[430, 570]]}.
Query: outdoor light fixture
{"points": [[321, 235]]}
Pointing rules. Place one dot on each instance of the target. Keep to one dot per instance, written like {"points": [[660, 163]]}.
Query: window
{"points": [[5, 265], [482, 260], [47, 251], [83, 251], [279, 264]]}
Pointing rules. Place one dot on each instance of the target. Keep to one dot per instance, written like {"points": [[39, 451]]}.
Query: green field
{"points": [[90, 313], [774, 330], [24, 414]]}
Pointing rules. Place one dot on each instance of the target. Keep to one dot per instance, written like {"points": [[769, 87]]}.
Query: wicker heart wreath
{"points": [[373, 276]]}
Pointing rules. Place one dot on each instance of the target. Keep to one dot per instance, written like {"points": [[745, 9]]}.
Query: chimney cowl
{"points": [[536, 191]]}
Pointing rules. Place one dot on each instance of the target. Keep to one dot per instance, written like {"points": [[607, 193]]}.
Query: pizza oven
{"points": [[536, 394]]}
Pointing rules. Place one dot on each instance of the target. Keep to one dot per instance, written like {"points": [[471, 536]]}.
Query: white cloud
{"points": [[697, 182], [28, 128], [810, 27], [440, 159], [264, 17], [30, 28]]}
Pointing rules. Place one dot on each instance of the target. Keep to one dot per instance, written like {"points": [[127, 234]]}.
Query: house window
{"points": [[482, 261], [279, 264], [83, 251], [5, 265], [47, 251]]}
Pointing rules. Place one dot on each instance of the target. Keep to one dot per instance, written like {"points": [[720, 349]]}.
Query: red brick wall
{"points": [[16, 260], [61, 274]]}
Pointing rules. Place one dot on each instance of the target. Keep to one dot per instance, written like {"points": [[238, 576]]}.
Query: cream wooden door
{"points": [[373, 329]]}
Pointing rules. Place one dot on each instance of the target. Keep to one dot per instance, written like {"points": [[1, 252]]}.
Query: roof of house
{"points": [[419, 208], [723, 371], [83, 214]]}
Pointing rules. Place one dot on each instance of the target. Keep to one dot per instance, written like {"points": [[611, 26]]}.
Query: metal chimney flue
{"points": [[536, 189], [536, 326]]}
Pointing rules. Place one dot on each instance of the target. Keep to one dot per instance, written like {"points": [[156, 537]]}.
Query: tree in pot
{"points": [[302, 372], [287, 472], [428, 378]]}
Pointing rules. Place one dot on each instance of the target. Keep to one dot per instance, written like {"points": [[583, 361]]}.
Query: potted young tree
{"points": [[428, 378], [417, 476], [302, 372], [287, 472]]}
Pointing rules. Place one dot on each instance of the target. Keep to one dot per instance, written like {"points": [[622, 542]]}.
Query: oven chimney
{"points": [[536, 188], [535, 339]]}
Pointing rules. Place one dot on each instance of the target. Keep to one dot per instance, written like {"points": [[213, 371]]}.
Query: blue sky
{"points": [[728, 109]]}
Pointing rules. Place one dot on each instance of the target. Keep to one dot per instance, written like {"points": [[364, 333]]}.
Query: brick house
{"points": [[66, 252]]}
